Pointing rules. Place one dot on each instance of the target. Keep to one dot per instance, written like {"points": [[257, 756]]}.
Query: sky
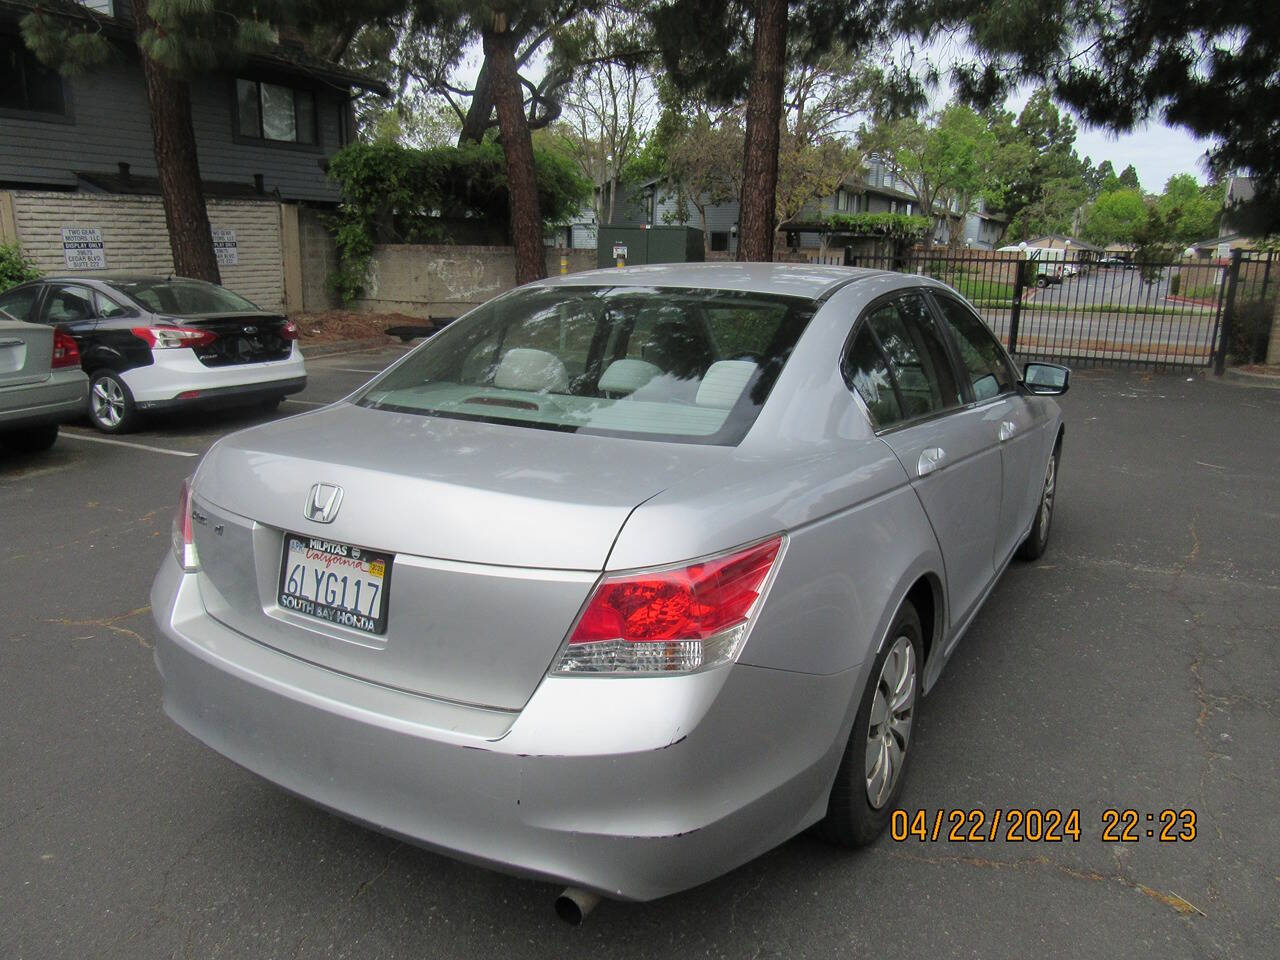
{"points": [[1157, 153]]}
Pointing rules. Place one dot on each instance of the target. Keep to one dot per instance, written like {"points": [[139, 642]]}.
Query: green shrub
{"points": [[397, 194], [1175, 283], [1251, 331], [14, 267]]}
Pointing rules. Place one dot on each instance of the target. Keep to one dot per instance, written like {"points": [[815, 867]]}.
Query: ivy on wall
{"points": [[396, 194], [894, 226]]}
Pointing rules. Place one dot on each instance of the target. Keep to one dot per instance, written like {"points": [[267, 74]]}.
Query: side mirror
{"points": [[1046, 379]]}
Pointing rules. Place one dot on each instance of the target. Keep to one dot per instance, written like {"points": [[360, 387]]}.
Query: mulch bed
{"points": [[333, 325]]}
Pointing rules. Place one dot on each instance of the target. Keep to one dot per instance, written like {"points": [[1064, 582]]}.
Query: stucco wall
{"points": [[135, 238], [434, 280]]}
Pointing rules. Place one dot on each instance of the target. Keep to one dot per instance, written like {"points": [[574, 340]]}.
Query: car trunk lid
{"points": [[241, 338], [496, 535], [25, 353]]}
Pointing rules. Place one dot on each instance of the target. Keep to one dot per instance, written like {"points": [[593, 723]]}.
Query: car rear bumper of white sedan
{"points": [[177, 377], [634, 788]]}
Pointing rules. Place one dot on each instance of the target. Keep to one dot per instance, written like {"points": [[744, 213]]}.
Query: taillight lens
{"points": [[170, 338], [65, 351], [289, 330], [184, 544], [673, 620]]}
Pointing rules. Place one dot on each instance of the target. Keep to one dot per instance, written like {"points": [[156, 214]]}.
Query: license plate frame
{"points": [[340, 561]]}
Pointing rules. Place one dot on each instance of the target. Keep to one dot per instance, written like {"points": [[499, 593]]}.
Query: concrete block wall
{"points": [[318, 258], [135, 238], [440, 280]]}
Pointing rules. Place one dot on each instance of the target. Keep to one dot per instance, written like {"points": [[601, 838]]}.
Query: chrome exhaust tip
{"points": [[573, 905]]}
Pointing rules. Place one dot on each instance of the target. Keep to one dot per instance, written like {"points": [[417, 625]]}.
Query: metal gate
{"points": [[1192, 312]]}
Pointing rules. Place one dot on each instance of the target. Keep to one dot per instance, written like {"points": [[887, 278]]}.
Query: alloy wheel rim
{"points": [[889, 729], [108, 402], [1046, 499]]}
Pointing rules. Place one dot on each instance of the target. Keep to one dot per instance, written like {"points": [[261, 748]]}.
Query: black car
{"points": [[156, 343]]}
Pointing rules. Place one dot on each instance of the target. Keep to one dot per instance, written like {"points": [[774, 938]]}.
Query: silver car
{"points": [[41, 384], [620, 580]]}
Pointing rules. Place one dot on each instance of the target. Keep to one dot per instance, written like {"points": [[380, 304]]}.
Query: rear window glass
{"points": [[667, 364], [182, 298]]}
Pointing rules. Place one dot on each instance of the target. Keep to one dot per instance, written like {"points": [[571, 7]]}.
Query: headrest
{"points": [[535, 370], [627, 375], [724, 382]]}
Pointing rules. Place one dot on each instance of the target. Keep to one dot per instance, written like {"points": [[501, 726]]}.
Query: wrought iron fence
{"points": [[1192, 312]]}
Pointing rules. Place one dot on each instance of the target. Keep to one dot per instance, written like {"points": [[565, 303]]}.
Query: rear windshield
{"points": [[182, 298], [665, 364]]}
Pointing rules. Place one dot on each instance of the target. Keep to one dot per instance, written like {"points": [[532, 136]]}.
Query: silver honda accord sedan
{"points": [[621, 579]]}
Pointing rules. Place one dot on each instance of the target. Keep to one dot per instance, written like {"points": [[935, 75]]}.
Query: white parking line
{"points": [[125, 443], [354, 369], [310, 403]]}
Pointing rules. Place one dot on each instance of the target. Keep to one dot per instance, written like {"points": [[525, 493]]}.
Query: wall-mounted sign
{"points": [[224, 247], [82, 248]]}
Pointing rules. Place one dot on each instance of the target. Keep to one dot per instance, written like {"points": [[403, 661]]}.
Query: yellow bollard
{"points": [[622, 262], [564, 264]]}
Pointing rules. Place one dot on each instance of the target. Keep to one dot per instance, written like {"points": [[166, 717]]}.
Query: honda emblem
{"points": [[323, 502]]}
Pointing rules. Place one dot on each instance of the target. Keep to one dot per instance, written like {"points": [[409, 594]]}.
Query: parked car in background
{"points": [[41, 384], [162, 343], [1110, 262], [621, 579]]}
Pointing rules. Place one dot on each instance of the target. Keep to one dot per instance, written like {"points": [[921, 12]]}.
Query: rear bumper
{"points": [[229, 396], [173, 372], [634, 788], [61, 398]]}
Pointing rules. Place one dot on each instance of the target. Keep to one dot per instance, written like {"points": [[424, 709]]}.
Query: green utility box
{"points": [[638, 245]]}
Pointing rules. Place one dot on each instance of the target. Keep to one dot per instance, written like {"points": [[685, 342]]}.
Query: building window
{"points": [[26, 84], [719, 240], [269, 111]]}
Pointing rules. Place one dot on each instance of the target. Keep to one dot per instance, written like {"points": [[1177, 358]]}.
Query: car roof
{"points": [[112, 276], [812, 281]]}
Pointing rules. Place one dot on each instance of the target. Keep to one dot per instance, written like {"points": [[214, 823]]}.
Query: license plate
{"points": [[339, 583]]}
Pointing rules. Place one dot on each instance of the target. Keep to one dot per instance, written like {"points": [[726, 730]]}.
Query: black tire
{"points": [[1042, 282], [32, 439], [852, 819], [270, 403], [1032, 547], [111, 407]]}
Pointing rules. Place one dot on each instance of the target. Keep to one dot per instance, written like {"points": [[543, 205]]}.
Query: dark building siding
{"points": [[106, 123]]}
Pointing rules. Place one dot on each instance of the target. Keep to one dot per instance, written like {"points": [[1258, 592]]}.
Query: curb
{"points": [[347, 346], [1268, 381]]}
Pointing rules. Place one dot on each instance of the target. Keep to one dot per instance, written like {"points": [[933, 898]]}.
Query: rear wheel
{"points": [[1038, 538], [111, 405], [31, 440], [872, 771]]}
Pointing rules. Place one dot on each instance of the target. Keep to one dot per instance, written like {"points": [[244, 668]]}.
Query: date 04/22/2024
{"points": [[1034, 825]]}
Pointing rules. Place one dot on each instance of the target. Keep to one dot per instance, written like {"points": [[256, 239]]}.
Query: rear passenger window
{"points": [[917, 360], [984, 361], [68, 304], [866, 371]]}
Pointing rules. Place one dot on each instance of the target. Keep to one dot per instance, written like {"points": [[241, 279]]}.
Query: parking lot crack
{"points": [[1167, 898], [109, 623]]}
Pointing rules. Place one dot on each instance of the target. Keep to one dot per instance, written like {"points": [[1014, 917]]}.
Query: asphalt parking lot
{"points": [[1135, 666]]}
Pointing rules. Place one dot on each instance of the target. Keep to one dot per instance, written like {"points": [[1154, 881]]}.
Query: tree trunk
{"points": [[526, 218], [178, 166], [477, 119], [764, 115]]}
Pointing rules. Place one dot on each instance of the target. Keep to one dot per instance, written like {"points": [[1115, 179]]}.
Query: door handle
{"points": [[1007, 429], [930, 460]]}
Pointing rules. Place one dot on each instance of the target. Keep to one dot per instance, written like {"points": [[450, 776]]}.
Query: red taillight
{"points": [[184, 543], [65, 351], [169, 338], [289, 330], [670, 620]]}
